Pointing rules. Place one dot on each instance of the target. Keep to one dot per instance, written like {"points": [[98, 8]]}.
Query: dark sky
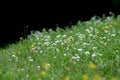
{"points": [[46, 14], [59, 11]]}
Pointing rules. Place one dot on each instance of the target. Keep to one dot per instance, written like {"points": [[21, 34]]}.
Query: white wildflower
{"points": [[87, 52], [113, 35], [106, 31], [104, 37], [47, 43], [58, 36], [65, 54], [94, 48], [13, 55], [38, 38], [30, 59], [38, 66], [64, 36], [90, 35], [76, 56], [100, 54], [58, 41], [80, 49], [84, 43], [54, 57], [41, 51], [93, 55], [87, 30], [27, 75]]}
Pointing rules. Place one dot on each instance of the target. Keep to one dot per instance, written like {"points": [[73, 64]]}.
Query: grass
{"points": [[89, 50]]}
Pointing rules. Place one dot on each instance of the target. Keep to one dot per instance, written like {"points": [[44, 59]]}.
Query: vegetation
{"points": [[89, 50]]}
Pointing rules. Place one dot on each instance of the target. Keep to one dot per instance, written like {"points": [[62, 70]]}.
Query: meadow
{"points": [[89, 50]]}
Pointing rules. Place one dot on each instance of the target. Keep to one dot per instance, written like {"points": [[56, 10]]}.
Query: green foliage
{"points": [[89, 50]]}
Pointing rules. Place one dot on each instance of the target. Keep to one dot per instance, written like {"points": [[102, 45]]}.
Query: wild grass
{"points": [[89, 50]]}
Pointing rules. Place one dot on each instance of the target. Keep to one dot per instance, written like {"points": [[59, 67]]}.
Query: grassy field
{"points": [[89, 50]]}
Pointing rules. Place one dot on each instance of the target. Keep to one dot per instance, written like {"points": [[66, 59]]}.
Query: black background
{"points": [[16, 15]]}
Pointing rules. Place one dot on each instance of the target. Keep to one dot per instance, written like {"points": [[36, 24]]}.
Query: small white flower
{"points": [[22, 69], [94, 48], [41, 51], [87, 52], [39, 43], [87, 30], [54, 57], [64, 36], [27, 75], [13, 55], [93, 55], [90, 34], [116, 50], [74, 48], [106, 31], [81, 36], [112, 35], [80, 49], [104, 37], [46, 37], [64, 54], [58, 36], [30, 60], [47, 43], [58, 41], [100, 54], [38, 67], [73, 57], [33, 49], [76, 56], [85, 43], [21, 38], [37, 38]]}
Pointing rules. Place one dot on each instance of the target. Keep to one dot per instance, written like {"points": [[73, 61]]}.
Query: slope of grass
{"points": [[87, 51]]}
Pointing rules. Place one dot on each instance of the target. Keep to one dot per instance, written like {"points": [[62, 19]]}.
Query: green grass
{"points": [[89, 50]]}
